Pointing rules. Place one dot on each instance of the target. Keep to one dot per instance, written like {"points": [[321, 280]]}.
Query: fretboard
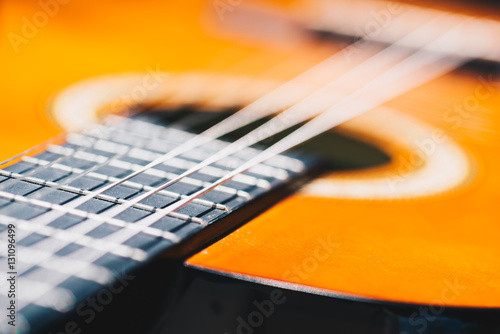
{"points": [[61, 261]]}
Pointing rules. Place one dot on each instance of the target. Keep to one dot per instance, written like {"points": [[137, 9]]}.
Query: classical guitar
{"points": [[282, 167]]}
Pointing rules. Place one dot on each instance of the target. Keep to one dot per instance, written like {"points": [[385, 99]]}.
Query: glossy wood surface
{"points": [[438, 249]]}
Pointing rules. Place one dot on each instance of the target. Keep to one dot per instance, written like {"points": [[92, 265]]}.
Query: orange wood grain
{"points": [[441, 250], [437, 250]]}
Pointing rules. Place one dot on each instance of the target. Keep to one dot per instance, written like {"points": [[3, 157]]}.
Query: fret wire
{"points": [[267, 171], [108, 247], [215, 171], [52, 215], [103, 197], [147, 155], [102, 163], [46, 166], [108, 242], [80, 239], [154, 172], [68, 180], [86, 215], [31, 172], [292, 164], [132, 185]]}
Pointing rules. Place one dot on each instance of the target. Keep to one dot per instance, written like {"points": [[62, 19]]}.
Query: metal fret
{"points": [[89, 145], [274, 168], [147, 155], [78, 238], [44, 229], [282, 161], [107, 198], [78, 243], [134, 167], [135, 185]]}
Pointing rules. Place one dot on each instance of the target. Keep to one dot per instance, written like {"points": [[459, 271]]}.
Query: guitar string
{"points": [[419, 61], [92, 141], [111, 245], [46, 143], [99, 135], [263, 156], [115, 211], [252, 112], [311, 129], [281, 122], [62, 136], [96, 275], [306, 108], [288, 117], [153, 232], [268, 154], [75, 153], [193, 219], [252, 160], [123, 237]]}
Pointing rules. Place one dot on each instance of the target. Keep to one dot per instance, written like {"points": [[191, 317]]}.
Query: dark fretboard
{"points": [[61, 261]]}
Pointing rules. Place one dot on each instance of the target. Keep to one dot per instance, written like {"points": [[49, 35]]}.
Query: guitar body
{"points": [[399, 232]]}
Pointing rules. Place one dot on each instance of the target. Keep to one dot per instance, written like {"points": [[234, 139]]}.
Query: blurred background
{"points": [[47, 45]]}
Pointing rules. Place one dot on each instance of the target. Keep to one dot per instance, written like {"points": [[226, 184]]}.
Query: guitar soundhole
{"points": [[337, 151]]}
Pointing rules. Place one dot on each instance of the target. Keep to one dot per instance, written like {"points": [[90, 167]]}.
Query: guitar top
{"points": [[249, 167]]}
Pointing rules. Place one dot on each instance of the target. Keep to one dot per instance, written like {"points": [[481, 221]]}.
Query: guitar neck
{"points": [[71, 251]]}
